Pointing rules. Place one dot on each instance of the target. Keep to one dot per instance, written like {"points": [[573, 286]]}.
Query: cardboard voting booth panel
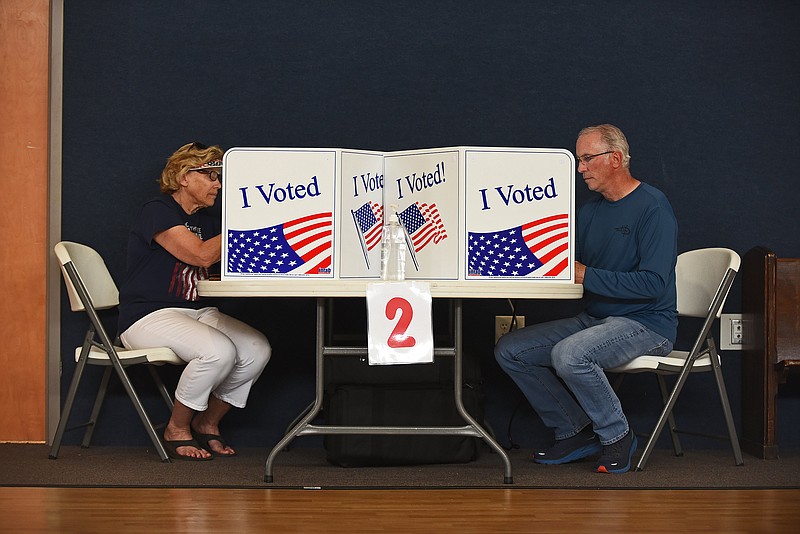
{"points": [[519, 214], [422, 186], [358, 239], [278, 213], [469, 213]]}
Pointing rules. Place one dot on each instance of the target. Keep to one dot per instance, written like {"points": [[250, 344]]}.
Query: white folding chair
{"points": [[91, 288], [703, 278]]}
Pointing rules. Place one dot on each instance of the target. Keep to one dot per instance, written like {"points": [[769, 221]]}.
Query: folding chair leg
{"points": [[80, 366], [161, 387], [676, 443], [662, 419], [151, 431], [98, 403], [726, 408]]}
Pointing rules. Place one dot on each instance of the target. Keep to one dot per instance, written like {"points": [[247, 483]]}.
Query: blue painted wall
{"points": [[706, 91]]}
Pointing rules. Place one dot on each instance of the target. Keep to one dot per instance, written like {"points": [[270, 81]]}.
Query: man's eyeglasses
{"points": [[211, 174], [589, 157]]}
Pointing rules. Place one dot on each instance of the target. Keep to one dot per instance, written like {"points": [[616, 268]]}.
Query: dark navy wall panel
{"points": [[707, 93]]}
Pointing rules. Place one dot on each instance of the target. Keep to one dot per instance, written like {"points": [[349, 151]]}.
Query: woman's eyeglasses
{"points": [[211, 174]]}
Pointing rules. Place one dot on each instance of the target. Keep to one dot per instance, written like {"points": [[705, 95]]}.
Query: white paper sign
{"points": [[519, 212], [361, 196], [423, 186], [400, 327], [278, 212]]}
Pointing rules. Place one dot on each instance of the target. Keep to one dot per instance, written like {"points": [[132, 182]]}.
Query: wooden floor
{"points": [[124, 510]]}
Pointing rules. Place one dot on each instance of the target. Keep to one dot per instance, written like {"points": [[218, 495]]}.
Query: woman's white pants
{"points": [[223, 355]]}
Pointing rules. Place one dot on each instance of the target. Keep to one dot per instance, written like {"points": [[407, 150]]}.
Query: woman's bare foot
{"points": [[210, 438], [177, 439]]}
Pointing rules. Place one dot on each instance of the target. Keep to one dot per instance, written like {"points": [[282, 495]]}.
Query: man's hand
{"points": [[580, 271]]}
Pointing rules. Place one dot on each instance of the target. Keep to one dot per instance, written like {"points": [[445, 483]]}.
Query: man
{"points": [[626, 250]]}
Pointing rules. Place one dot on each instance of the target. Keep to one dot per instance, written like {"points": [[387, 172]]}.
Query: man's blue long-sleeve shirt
{"points": [[629, 248]]}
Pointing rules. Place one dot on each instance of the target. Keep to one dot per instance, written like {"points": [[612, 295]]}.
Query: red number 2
{"points": [[398, 338]]}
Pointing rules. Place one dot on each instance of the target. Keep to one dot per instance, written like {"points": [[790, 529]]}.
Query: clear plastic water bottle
{"points": [[393, 249]]}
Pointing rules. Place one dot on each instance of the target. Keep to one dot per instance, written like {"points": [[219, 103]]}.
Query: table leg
{"points": [[459, 362], [304, 425], [318, 396]]}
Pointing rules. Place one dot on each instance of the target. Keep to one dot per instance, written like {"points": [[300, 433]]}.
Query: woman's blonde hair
{"points": [[187, 157]]}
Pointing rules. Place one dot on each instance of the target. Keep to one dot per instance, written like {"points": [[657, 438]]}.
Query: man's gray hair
{"points": [[613, 138]]}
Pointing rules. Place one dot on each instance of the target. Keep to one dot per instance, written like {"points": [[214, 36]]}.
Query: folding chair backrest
{"points": [[698, 275], [92, 271]]}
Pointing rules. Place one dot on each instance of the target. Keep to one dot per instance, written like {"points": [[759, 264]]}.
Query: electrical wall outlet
{"points": [[736, 331], [733, 331], [503, 324]]}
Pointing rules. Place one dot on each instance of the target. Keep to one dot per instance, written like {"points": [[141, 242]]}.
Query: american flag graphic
{"points": [[299, 246], [541, 246], [184, 280], [369, 221], [423, 224]]}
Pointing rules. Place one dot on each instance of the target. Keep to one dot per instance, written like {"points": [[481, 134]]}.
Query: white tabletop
{"points": [[307, 287]]}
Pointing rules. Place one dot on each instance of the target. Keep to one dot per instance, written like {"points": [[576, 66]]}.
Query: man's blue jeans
{"points": [[577, 349]]}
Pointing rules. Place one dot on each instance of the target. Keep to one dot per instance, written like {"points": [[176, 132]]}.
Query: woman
{"points": [[171, 246]]}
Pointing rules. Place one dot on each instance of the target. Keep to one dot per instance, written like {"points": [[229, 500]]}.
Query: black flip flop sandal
{"points": [[172, 450]]}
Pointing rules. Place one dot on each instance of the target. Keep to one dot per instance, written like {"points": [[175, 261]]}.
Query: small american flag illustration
{"points": [[541, 245], [423, 224], [298, 246], [369, 221]]}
